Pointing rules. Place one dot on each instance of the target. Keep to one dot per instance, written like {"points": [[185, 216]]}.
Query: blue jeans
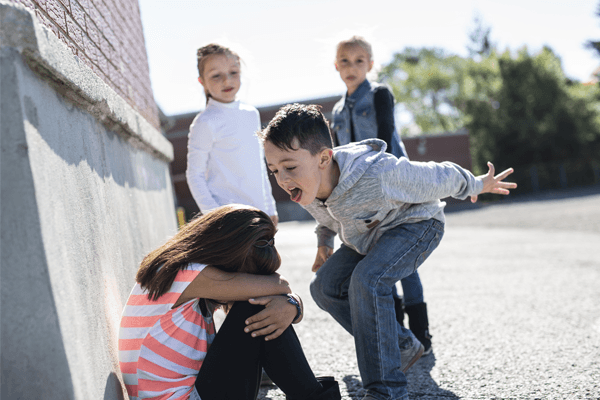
{"points": [[357, 291], [412, 290]]}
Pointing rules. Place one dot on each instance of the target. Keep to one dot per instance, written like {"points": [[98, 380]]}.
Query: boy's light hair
{"points": [[356, 41], [306, 123]]}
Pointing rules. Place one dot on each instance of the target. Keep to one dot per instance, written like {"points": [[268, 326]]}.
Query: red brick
{"points": [[84, 4], [104, 11], [56, 13], [78, 14], [102, 63], [92, 29], [41, 4], [74, 31], [110, 36], [86, 60]]}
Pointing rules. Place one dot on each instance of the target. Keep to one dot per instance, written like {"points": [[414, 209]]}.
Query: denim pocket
{"points": [[432, 244]]}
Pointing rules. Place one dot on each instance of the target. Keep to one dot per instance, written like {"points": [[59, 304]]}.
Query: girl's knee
{"points": [[244, 309]]}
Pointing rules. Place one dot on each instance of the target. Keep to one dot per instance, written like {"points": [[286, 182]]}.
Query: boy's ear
{"points": [[200, 80], [370, 66], [336, 67], [325, 158]]}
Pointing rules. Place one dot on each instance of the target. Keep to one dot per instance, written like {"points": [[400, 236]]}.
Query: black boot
{"points": [[399, 307], [419, 324], [330, 390]]}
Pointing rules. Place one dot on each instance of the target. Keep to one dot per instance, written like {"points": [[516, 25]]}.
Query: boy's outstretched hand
{"points": [[494, 184]]}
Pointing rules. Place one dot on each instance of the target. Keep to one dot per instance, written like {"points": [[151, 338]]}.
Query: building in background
{"points": [[86, 191]]}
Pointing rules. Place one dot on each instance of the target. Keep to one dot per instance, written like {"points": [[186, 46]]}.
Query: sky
{"points": [[288, 46]]}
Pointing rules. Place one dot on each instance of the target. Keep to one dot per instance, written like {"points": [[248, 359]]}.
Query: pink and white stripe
{"points": [[161, 349]]}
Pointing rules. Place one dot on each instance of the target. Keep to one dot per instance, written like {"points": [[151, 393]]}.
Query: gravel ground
{"points": [[513, 294]]}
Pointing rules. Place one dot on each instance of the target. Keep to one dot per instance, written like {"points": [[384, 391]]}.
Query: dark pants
{"points": [[233, 365]]}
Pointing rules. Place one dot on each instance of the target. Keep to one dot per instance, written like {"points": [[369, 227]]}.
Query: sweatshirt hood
{"points": [[354, 159]]}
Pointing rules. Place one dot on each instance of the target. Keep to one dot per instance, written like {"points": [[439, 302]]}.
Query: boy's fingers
{"points": [[316, 267], [473, 199], [491, 168], [504, 174]]}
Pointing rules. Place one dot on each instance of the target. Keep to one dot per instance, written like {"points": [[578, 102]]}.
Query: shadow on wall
{"points": [[76, 137], [113, 385], [34, 361]]}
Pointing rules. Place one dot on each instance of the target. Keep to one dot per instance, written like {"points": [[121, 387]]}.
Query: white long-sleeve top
{"points": [[225, 161]]}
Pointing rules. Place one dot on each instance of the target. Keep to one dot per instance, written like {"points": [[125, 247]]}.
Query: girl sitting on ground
{"points": [[168, 348]]}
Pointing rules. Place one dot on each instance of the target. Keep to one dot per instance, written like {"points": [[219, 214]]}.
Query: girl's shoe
{"points": [[419, 324], [330, 390]]}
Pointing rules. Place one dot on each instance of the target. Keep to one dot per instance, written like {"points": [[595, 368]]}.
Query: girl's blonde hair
{"points": [[355, 41], [233, 238], [212, 49]]}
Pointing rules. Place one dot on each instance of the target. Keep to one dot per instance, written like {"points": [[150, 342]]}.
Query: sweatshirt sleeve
{"points": [[325, 236], [384, 111], [421, 182], [200, 143]]}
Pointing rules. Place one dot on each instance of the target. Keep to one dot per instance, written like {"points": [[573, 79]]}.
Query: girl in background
{"points": [[168, 348], [225, 162]]}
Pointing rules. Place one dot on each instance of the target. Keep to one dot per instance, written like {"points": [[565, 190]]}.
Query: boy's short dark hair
{"points": [[304, 122]]}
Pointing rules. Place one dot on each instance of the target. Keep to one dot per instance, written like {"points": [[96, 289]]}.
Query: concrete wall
{"points": [[85, 194]]}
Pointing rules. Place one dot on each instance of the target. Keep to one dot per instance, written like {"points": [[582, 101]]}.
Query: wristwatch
{"points": [[292, 300]]}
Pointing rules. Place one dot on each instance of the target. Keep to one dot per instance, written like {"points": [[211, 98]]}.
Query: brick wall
{"points": [[107, 36]]}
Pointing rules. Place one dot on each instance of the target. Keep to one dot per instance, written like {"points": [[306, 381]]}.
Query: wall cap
{"points": [[54, 62]]}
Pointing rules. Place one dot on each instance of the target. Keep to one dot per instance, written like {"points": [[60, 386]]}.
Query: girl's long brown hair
{"points": [[231, 238]]}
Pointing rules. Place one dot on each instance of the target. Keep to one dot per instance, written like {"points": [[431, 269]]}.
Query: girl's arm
{"points": [[384, 113], [200, 144], [212, 283]]}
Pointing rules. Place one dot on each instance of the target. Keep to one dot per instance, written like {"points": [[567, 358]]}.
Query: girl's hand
{"points": [[494, 184], [273, 320], [323, 253]]}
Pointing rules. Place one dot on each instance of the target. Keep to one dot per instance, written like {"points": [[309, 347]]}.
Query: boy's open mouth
{"points": [[296, 194]]}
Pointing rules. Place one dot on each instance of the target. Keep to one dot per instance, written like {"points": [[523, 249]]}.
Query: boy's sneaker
{"points": [[410, 356], [427, 349]]}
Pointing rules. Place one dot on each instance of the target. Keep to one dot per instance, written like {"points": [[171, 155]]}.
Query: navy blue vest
{"points": [[361, 108]]}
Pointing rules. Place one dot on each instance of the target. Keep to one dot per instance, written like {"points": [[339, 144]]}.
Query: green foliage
{"points": [[520, 109], [427, 82], [535, 116]]}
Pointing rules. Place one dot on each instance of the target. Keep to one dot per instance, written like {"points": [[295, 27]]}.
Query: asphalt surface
{"points": [[513, 294]]}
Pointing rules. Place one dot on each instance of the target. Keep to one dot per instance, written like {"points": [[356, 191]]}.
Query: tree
{"points": [[520, 109], [594, 44], [427, 83]]}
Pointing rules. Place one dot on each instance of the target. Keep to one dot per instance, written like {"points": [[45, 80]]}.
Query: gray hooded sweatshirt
{"points": [[377, 192]]}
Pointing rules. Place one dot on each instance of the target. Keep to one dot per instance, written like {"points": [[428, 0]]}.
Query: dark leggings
{"points": [[233, 365]]}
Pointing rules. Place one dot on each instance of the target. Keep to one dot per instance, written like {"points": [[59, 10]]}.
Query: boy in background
{"points": [[389, 217], [367, 111]]}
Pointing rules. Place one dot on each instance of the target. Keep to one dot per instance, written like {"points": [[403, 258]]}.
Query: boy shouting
{"points": [[389, 218]]}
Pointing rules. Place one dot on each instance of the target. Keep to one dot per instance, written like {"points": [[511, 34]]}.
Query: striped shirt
{"points": [[161, 349]]}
